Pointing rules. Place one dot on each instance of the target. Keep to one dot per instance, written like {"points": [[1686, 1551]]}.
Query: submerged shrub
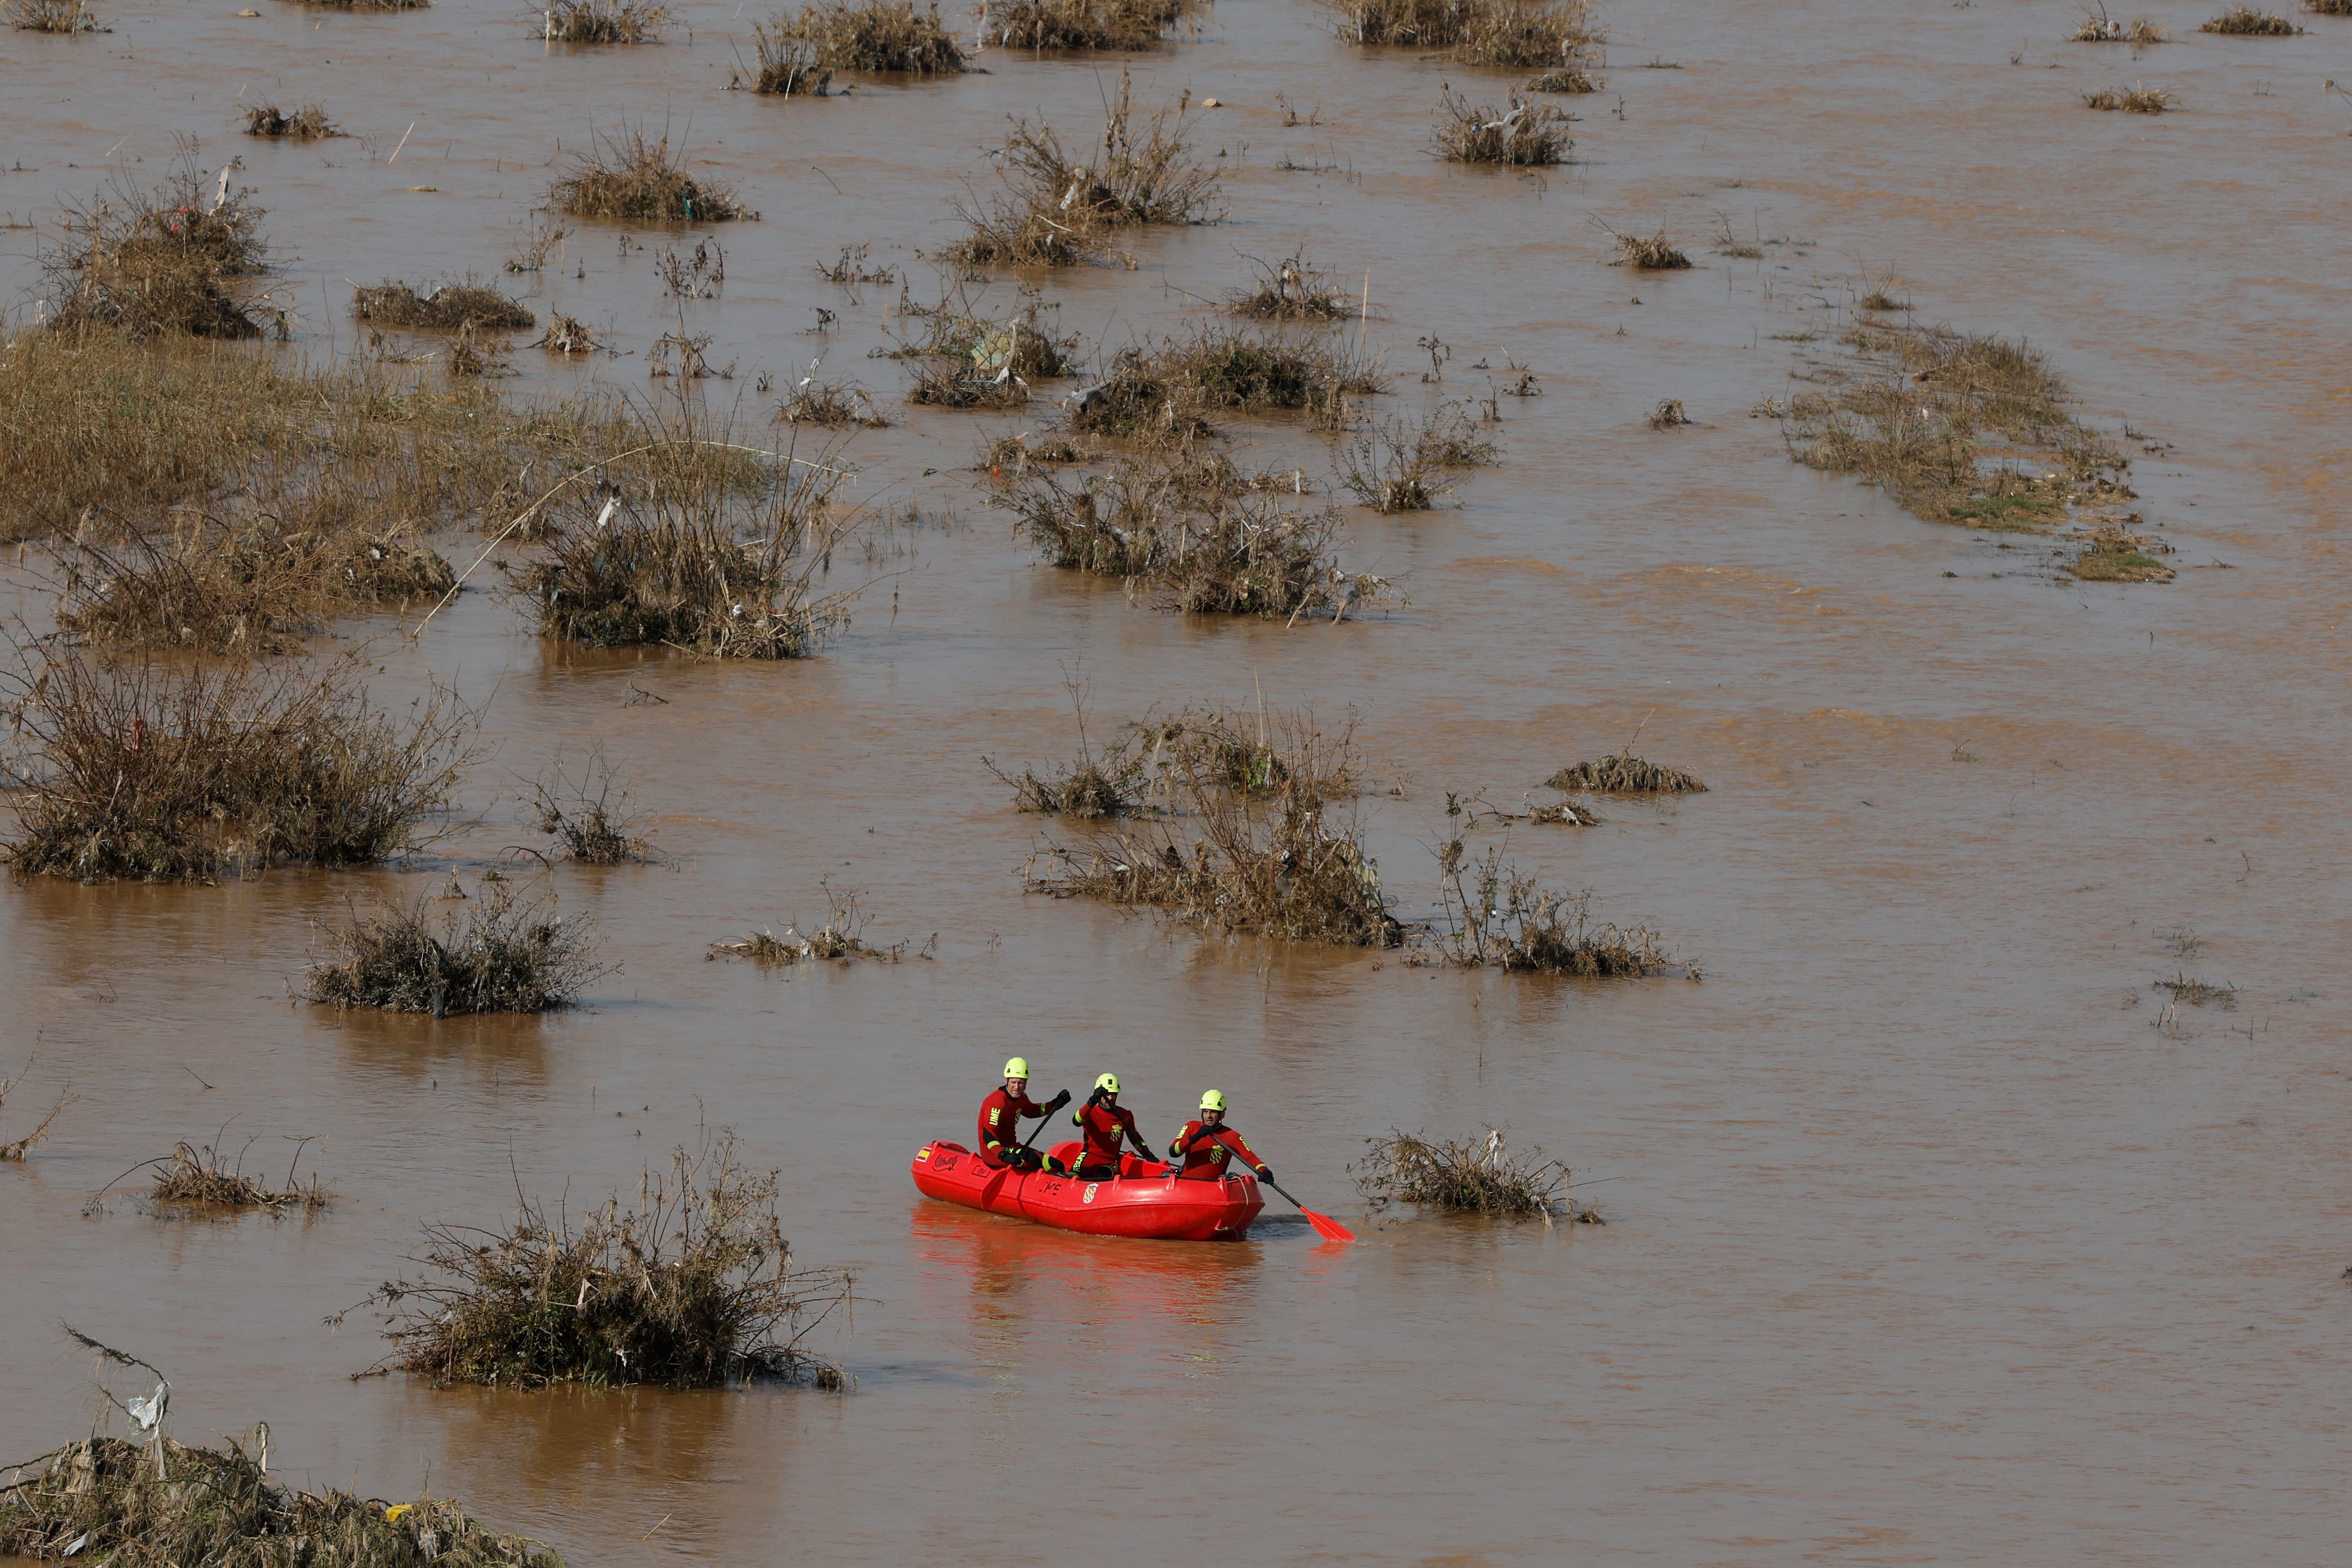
{"points": [[307, 123], [179, 774], [1404, 467], [601, 21], [1623, 773], [589, 819], [67, 16], [206, 1178], [1056, 211], [451, 305], [694, 1287], [1653, 253], [160, 1505], [1087, 24], [2249, 22], [2135, 99], [1481, 1175], [1292, 290], [497, 956], [626, 177], [1522, 33], [2098, 27], [871, 36], [1523, 135], [1499, 917], [164, 262], [1163, 389]]}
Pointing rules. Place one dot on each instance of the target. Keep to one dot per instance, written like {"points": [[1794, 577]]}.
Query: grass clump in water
{"points": [[160, 1504], [362, 5], [693, 564], [588, 819], [180, 774], [1622, 772], [497, 956], [601, 21], [1572, 80], [839, 940], [1160, 391], [68, 17], [2137, 98], [1481, 1175], [1499, 917], [206, 1178], [630, 177], [307, 123], [1187, 533], [692, 1288], [2249, 22], [1654, 253], [166, 262], [2329, 7], [1272, 859], [445, 305], [1087, 24], [2098, 27], [1525, 135], [1520, 34], [873, 37], [1406, 467], [1292, 290], [2119, 555], [1058, 211]]}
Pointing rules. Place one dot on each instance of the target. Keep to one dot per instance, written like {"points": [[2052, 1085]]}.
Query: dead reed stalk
{"points": [[1264, 853], [692, 1288], [498, 955], [625, 175], [1524, 135], [183, 773], [1057, 211], [13, 1151], [872, 37], [1481, 1175], [600, 21], [307, 123]]}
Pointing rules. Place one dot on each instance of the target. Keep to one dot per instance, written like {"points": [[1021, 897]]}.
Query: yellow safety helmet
{"points": [[1214, 1099], [1106, 1084], [1017, 1067]]}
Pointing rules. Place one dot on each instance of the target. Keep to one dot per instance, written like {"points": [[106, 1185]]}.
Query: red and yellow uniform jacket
{"points": [[1000, 1123], [1206, 1161], [1104, 1128]]}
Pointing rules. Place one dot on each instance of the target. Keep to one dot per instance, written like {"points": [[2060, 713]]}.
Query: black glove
{"points": [[1266, 1173], [1060, 1101]]}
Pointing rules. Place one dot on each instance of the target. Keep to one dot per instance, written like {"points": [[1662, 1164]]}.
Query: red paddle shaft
{"points": [[1326, 1227]]}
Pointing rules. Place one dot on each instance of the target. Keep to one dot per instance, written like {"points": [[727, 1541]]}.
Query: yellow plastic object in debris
{"points": [[391, 1515]]}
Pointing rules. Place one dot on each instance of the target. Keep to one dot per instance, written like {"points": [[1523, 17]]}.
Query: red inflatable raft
{"points": [[1141, 1202]]}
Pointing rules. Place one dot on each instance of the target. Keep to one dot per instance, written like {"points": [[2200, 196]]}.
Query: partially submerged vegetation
{"points": [[693, 1288], [160, 1505], [1293, 290], [1499, 917], [1163, 390], [2116, 554], [1184, 531], [1622, 772], [307, 123], [2250, 22], [68, 17], [186, 773], [2137, 98], [589, 819], [1479, 1175], [840, 940], [707, 559], [1651, 253], [498, 955], [1959, 428], [1564, 81], [1524, 135], [1058, 210], [451, 305], [13, 1150], [206, 1178], [171, 261], [1405, 466], [1522, 35], [1087, 24], [625, 175], [601, 21], [1251, 843], [2098, 27], [873, 35]]}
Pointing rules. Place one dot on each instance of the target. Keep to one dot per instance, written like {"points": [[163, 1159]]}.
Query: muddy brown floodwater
{"points": [[1931, 1239]]}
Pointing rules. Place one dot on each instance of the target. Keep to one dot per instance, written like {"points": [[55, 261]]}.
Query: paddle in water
{"points": [[1326, 1227], [996, 1183]]}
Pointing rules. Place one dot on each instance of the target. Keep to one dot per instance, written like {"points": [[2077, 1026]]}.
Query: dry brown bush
{"points": [[169, 261], [2137, 98], [470, 303], [68, 17], [183, 773], [1057, 211], [1404, 466], [1654, 253], [1163, 390], [1183, 530], [191, 1177], [307, 123], [1525, 134], [625, 175], [1087, 24], [1622, 772], [2098, 27], [1520, 34], [873, 36], [693, 1288], [599, 21], [1292, 289], [2250, 22], [498, 955], [1276, 860], [1498, 916], [1480, 1176]]}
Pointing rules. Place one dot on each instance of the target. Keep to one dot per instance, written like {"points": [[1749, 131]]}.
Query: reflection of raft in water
{"points": [[1141, 1202]]}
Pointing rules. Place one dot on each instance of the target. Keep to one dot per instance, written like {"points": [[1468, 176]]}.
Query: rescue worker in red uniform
{"points": [[1001, 1115], [1105, 1124], [1206, 1144]]}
